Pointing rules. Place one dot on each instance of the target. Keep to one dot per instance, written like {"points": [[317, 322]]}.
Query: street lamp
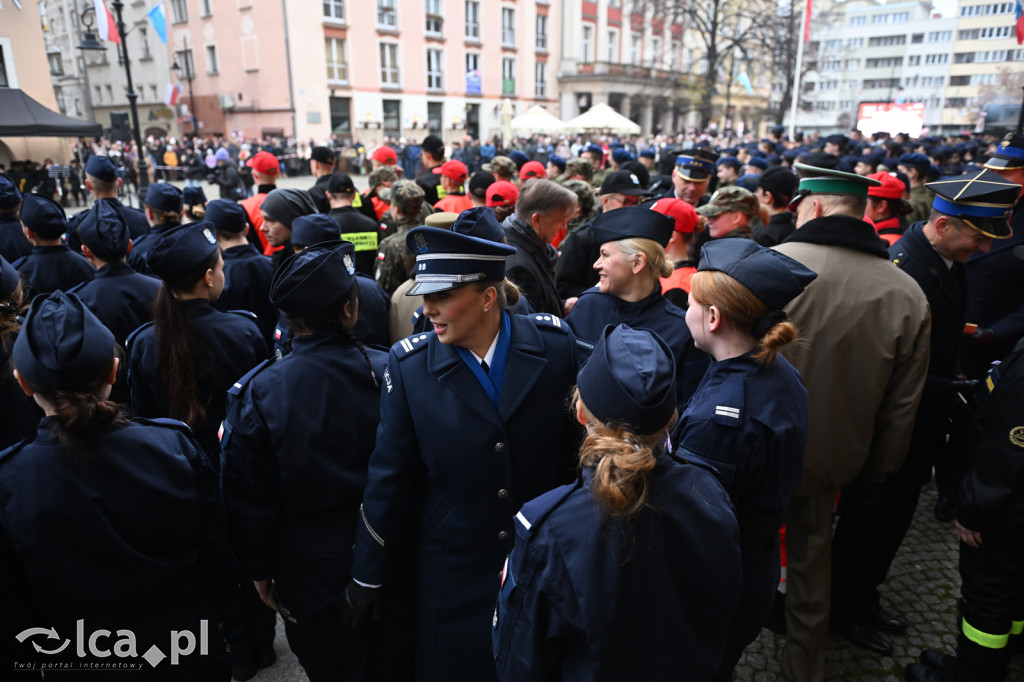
{"points": [[89, 42], [186, 56]]}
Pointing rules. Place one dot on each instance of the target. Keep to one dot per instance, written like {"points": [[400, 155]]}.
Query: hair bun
{"points": [[765, 324]]}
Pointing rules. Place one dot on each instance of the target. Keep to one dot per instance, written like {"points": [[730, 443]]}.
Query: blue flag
{"points": [[158, 18], [744, 80]]}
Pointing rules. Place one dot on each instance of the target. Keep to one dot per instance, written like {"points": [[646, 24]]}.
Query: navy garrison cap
{"points": [[632, 221], [630, 379], [558, 162], [9, 194], [919, 161], [621, 156], [447, 260], [193, 196], [593, 149], [1009, 153], [758, 162], [696, 165], [649, 153], [62, 345], [43, 216], [164, 196], [8, 279], [181, 250], [313, 229], [982, 199], [106, 234], [226, 216], [314, 278], [101, 168], [479, 222], [773, 277]]}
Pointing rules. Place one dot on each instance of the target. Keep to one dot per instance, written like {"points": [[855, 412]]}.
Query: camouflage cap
{"points": [[584, 193], [578, 166], [730, 198], [382, 175], [406, 194], [501, 165]]}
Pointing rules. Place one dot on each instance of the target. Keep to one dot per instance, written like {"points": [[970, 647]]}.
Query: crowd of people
{"points": [[537, 412]]}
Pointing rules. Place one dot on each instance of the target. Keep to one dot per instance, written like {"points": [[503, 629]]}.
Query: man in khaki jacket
{"points": [[866, 325]]}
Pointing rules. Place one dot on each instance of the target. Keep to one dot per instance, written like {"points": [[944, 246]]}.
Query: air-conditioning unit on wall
{"points": [[226, 101]]}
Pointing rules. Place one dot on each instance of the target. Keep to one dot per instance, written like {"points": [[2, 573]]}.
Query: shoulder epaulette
{"points": [[546, 321], [536, 510], [131, 337], [244, 313], [730, 403], [898, 258], [237, 387], [410, 345], [165, 422], [13, 450]]}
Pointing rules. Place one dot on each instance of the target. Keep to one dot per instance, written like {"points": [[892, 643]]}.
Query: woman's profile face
{"points": [[614, 270], [695, 322], [218, 279], [457, 314]]}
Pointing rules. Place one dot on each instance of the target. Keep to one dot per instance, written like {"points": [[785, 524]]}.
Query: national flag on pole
{"points": [[158, 18], [744, 80], [1020, 23], [173, 90], [807, 24], [105, 24]]}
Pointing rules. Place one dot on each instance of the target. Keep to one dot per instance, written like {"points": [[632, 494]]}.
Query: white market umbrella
{"points": [[537, 120], [601, 118], [507, 111]]}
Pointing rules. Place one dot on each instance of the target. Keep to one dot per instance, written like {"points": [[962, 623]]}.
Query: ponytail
{"points": [[179, 346], [79, 413], [508, 292], [622, 461]]}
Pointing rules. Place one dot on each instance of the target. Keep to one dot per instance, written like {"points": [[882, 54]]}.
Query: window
{"points": [[883, 62], [211, 59], [914, 60], [435, 71], [969, 34], [144, 37], [655, 52], [613, 46], [674, 55], [392, 117], [508, 27], [858, 21], [184, 59], [434, 19], [99, 91], [508, 76], [997, 32], [435, 114], [985, 10], [389, 64], [936, 58], [991, 56], [540, 81], [855, 42], [542, 32], [833, 44], [472, 73], [207, 7], [881, 83], [634, 50], [956, 102], [586, 44], [886, 41], [960, 58], [833, 65], [387, 16], [472, 20], [942, 36], [341, 119], [917, 38], [933, 81], [852, 64], [337, 65], [959, 80], [334, 10], [179, 11]]}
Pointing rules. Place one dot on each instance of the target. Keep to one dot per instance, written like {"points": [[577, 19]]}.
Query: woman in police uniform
{"points": [[631, 264], [110, 523], [292, 480], [749, 415], [473, 424], [633, 572]]}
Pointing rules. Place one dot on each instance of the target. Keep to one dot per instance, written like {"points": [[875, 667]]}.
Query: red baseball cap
{"points": [[456, 170], [532, 169], [502, 193], [384, 154], [891, 187], [678, 210], [265, 163]]}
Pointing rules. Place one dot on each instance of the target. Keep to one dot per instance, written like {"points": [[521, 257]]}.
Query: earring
{"points": [[486, 309]]}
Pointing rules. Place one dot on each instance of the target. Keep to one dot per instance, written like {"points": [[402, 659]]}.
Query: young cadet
{"points": [[292, 481], [51, 265], [163, 206], [106, 524], [633, 572], [102, 181], [472, 425], [13, 243]]}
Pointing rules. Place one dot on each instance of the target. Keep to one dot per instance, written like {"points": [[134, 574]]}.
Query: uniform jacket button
{"points": [[503, 535], [502, 494], [499, 447]]}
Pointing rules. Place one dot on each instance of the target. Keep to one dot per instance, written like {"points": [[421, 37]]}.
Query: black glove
{"points": [[982, 337], [356, 603]]}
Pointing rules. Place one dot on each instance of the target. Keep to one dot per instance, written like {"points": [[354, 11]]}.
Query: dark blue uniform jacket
{"points": [[587, 596], [594, 310], [126, 532], [247, 275], [122, 298], [142, 245], [13, 242], [295, 448], [448, 473], [49, 268], [230, 345], [133, 218], [20, 414]]}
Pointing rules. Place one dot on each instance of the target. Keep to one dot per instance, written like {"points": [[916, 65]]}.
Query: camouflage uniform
{"points": [[921, 199], [577, 166], [394, 260], [503, 168]]}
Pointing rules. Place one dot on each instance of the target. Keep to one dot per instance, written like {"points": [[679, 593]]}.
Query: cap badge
{"points": [[209, 235], [421, 243], [349, 265], [636, 181]]}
